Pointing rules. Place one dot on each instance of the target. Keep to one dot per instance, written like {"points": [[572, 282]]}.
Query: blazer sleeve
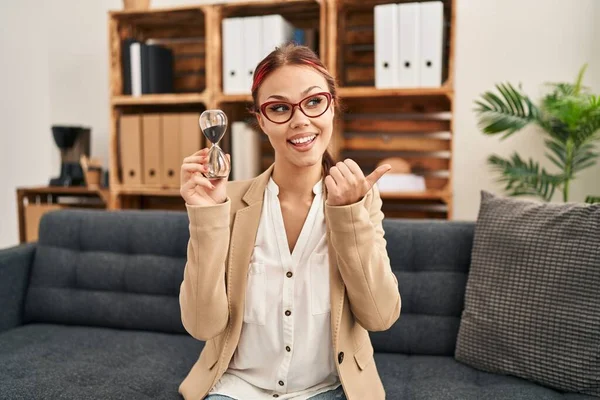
{"points": [[358, 239], [203, 296]]}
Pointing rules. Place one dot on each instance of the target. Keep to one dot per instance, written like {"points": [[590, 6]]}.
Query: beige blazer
{"points": [[364, 291]]}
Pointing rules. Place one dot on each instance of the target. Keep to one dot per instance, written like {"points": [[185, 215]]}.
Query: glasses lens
{"points": [[315, 105], [278, 112]]}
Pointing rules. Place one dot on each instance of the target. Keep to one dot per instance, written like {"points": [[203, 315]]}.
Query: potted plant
{"points": [[570, 118]]}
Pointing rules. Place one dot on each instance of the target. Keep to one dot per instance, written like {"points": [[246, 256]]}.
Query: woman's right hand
{"points": [[196, 189]]}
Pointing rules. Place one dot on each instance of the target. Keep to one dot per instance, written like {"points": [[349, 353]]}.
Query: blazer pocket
{"points": [[319, 284], [364, 355], [255, 307]]}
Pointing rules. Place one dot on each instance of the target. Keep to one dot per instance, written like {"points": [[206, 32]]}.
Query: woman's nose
{"points": [[298, 118]]}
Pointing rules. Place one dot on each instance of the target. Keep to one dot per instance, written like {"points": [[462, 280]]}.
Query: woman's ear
{"points": [[332, 105], [260, 121]]}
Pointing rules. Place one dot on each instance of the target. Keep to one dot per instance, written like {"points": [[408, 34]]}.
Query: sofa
{"points": [[91, 311]]}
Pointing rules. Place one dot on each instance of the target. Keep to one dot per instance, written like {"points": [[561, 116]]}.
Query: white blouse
{"points": [[285, 348]]}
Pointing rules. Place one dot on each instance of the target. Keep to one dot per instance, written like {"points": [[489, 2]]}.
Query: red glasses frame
{"points": [[294, 105]]}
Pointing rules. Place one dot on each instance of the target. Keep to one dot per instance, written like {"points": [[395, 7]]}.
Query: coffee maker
{"points": [[73, 142]]}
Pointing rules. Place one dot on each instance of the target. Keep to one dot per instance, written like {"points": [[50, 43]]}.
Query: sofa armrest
{"points": [[15, 263]]}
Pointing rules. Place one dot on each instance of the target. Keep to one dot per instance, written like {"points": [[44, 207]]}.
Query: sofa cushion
{"points": [[431, 261], [532, 302], [444, 378], [120, 269], [44, 361]]}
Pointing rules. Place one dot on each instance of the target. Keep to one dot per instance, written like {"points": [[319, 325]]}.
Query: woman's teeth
{"points": [[303, 140]]}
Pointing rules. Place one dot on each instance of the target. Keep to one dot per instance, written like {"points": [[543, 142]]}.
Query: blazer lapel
{"points": [[243, 237], [336, 284]]}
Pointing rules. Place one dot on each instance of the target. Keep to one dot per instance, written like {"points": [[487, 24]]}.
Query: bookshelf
{"points": [[415, 124]]}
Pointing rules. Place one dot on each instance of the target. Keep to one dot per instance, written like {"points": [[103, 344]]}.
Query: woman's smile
{"points": [[303, 142]]}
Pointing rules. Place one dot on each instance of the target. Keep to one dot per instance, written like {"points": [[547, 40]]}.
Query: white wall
{"points": [[27, 153], [57, 73], [519, 41]]}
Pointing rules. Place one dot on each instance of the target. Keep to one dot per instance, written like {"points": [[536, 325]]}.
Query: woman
{"points": [[288, 271]]}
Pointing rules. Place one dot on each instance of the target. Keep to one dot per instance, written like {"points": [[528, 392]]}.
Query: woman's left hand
{"points": [[346, 183]]}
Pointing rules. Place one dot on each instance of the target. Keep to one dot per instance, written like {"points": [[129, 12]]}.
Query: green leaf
{"points": [[507, 113], [592, 199], [580, 79], [559, 149], [525, 178]]}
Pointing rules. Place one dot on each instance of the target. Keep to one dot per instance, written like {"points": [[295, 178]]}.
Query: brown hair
{"points": [[293, 54]]}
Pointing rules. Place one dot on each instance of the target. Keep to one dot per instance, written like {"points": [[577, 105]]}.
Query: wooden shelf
{"points": [[33, 202], [159, 99], [360, 92], [126, 14], [74, 190], [234, 98], [425, 195], [147, 191], [415, 124]]}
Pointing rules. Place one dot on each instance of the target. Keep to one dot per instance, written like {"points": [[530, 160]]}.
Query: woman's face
{"points": [[301, 141]]}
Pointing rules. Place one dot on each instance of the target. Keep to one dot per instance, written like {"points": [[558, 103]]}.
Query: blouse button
{"points": [[288, 312], [280, 383], [288, 349], [341, 357], [289, 274], [275, 395]]}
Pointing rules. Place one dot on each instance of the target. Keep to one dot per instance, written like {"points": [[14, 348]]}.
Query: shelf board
{"points": [[147, 191], [234, 98], [84, 191], [430, 194], [156, 10], [288, 8], [159, 99], [371, 92]]}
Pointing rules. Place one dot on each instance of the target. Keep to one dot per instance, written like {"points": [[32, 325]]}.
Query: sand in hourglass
{"points": [[214, 133]]}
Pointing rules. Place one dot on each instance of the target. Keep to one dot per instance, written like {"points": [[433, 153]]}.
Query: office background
{"points": [[54, 70]]}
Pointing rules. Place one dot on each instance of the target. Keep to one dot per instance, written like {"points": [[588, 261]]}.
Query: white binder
{"points": [[135, 62], [252, 47], [386, 46], [432, 36], [276, 31], [408, 45], [233, 78], [245, 151]]}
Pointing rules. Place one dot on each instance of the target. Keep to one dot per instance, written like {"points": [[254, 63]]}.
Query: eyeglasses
{"points": [[280, 112]]}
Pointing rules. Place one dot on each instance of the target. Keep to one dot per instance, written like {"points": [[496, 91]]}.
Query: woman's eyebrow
{"points": [[279, 97]]}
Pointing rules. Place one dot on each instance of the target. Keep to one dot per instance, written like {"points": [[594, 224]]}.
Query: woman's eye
{"points": [[279, 108], [314, 101]]}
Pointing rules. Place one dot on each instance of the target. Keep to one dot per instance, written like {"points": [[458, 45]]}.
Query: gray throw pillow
{"points": [[532, 301]]}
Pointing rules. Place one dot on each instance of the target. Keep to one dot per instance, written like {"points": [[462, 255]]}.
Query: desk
{"points": [[33, 202]]}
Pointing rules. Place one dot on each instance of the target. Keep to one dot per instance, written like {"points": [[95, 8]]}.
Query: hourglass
{"points": [[214, 124]]}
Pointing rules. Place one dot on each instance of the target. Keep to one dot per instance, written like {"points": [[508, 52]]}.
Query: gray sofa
{"points": [[91, 312]]}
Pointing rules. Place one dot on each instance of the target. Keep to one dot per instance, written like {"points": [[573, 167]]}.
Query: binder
{"points": [[252, 44], [190, 134], [158, 66], [408, 45], [130, 148], [126, 64], [245, 151], [386, 45], [431, 27], [135, 64], [151, 134], [171, 153], [233, 64], [276, 32]]}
